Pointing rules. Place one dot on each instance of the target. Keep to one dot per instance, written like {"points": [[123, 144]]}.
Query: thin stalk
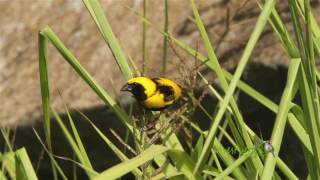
{"points": [[165, 39], [144, 40], [6, 134]]}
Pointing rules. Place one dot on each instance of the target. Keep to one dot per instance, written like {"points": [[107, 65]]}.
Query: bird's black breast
{"points": [[138, 91]]}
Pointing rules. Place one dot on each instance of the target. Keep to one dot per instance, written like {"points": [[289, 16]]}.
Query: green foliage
{"points": [[208, 153], [24, 169], [180, 156], [17, 165]]}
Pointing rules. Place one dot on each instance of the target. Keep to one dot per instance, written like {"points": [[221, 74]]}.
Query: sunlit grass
{"points": [[169, 153]]}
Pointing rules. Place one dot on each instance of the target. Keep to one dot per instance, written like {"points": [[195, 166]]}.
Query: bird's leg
{"points": [[150, 126]]}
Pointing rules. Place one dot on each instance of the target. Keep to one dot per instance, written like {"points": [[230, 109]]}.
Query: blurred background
{"points": [[228, 22]]}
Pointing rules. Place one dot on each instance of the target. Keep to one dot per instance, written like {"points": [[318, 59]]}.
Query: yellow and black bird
{"points": [[154, 94]]}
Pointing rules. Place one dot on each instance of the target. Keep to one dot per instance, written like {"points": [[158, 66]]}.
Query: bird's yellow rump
{"points": [[153, 94]]}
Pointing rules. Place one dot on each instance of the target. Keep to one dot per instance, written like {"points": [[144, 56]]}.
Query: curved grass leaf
{"points": [[104, 27], [121, 169], [83, 73]]}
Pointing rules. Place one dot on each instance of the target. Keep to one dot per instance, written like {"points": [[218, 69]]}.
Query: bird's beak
{"points": [[126, 87]]}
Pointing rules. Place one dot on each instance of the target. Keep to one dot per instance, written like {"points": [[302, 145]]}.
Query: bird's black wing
{"points": [[167, 91]]}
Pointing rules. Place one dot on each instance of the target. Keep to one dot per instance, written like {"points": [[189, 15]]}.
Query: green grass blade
{"points": [[299, 129], [144, 40], [286, 171], [78, 141], [312, 23], [235, 164], [113, 147], [261, 22], [45, 95], [84, 74], [213, 61], [88, 168], [228, 159], [127, 166], [280, 164], [282, 33], [169, 170], [24, 169], [293, 121], [280, 122], [2, 176], [44, 82], [310, 120], [311, 59], [197, 148], [56, 165], [183, 163], [308, 88], [6, 133], [298, 32], [99, 18], [8, 164], [165, 38]]}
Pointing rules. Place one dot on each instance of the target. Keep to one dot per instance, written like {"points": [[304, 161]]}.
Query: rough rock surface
{"points": [[229, 25]]}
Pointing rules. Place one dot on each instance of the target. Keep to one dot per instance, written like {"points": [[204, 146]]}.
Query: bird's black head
{"points": [[136, 89]]}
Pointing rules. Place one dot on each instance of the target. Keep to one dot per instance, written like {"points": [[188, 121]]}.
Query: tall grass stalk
{"points": [[144, 39], [165, 38]]}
